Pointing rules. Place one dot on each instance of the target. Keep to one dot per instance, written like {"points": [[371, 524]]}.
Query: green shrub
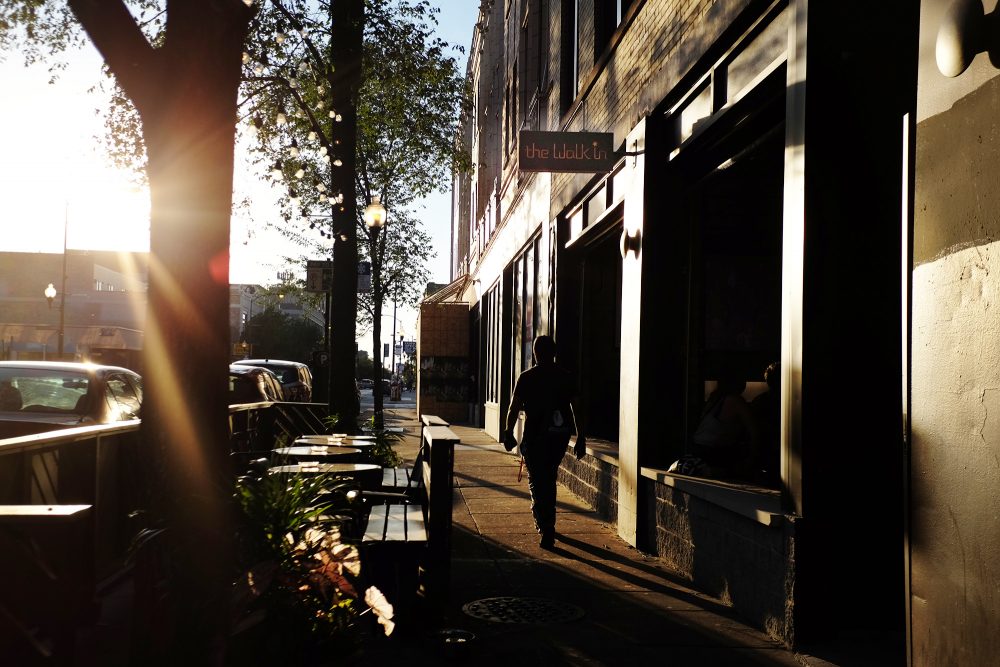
{"points": [[299, 561]]}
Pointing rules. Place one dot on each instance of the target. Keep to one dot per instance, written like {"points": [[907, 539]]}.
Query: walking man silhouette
{"points": [[545, 393]]}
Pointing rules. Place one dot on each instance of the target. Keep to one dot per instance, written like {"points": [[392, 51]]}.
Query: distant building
{"points": [[247, 300], [103, 308]]}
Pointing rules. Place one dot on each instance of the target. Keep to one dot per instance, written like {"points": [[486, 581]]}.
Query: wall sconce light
{"points": [[630, 242], [966, 31]]}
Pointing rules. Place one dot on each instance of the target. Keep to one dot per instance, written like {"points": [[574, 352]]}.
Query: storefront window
{"points": [[526, 303], [600, 353], [735, 320], [753, 58], [492, 327]]}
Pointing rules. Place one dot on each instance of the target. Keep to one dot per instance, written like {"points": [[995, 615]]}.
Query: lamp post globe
{"points": [[50, 293], [375, 213]]}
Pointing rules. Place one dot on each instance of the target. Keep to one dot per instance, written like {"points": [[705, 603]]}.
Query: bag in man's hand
{"points": [[509, 441]]}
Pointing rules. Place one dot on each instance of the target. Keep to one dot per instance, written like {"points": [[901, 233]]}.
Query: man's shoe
{"points": [[548, 540]]}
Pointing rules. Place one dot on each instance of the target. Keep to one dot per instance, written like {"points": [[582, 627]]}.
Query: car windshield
{"points": [[287, 375], [41, 390]]}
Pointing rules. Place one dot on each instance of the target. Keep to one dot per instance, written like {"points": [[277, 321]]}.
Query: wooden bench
{"points": [[404, 479], [407, 545]]}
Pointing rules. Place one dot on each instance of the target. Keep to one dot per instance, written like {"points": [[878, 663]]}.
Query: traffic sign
{"points": [[319, 275], [364, 276]]}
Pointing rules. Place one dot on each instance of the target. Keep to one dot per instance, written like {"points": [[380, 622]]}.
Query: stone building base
{"points": [[736, 547]]}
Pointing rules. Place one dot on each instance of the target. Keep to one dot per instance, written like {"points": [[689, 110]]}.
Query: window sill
{"points": [[753, 502], [602, 450]]}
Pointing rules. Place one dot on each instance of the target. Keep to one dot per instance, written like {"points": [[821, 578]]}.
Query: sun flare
{"points": [[99, 210]]}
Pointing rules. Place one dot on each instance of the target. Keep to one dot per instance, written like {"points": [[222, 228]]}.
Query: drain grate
{"points": [[538, 611]]}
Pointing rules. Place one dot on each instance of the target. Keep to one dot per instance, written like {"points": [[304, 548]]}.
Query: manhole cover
{"points": [[523, 610]]}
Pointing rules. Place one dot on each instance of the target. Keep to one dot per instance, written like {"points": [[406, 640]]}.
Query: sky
{"points": [[55, 179]]}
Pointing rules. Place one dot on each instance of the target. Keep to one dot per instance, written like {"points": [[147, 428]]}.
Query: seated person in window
{"points": [[766, 411], [727, 437]]}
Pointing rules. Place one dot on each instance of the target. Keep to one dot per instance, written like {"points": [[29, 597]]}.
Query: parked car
{"points": [[253, 384], [365, 383], [295, 377], [39, 396]]}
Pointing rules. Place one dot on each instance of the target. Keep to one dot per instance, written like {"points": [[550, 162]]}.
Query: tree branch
{"points": [[126, 51]]}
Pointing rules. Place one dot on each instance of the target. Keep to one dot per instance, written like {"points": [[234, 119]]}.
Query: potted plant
{"points": [[297, 591]]}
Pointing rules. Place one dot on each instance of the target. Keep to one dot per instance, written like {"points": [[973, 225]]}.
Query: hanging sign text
{"points": [[591, 152]]}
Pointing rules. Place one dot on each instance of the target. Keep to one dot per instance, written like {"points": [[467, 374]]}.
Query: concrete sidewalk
{"points": [[593, 600]]}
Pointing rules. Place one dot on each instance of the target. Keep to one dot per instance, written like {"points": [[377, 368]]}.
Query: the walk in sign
{"points": [[591, 152]]}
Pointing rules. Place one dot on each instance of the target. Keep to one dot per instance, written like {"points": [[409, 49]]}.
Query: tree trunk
{"points": [[189, 134], [186, 93], [185, 411], [348, 24]]}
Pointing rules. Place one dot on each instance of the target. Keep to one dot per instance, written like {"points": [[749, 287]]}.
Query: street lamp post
{"points": [[375, 221], [252, 291], [399, 369], [395, 303], [50, 291], [62, 297]]}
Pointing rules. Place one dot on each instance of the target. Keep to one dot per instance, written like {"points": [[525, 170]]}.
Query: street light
{"points": [[375, 214], [375, 220], [50, 291]]}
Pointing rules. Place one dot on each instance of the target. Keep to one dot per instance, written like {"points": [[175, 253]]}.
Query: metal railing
{"points": [[67, 498], [97, 466], [88, 465]]}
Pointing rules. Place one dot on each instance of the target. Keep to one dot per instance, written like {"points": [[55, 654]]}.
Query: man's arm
{"points": [[579, 424], [514, 412]]}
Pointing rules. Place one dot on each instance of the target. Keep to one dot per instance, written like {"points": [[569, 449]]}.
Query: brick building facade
{"points": [[760, 210]]}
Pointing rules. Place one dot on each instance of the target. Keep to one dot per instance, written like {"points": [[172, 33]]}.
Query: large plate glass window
{"points": [[526, 304], [728, 168]]}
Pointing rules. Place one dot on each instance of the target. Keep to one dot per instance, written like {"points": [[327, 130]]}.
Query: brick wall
{"points": [[595, 481], [748, 565], [443, 361], [665, 42]]}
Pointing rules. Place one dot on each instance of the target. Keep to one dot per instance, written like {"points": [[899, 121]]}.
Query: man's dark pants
{"points": [[542, 461]]}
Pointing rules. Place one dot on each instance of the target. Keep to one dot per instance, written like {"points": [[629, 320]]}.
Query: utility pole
{"points": [[62, 296], [395, 302], [347, 18]]}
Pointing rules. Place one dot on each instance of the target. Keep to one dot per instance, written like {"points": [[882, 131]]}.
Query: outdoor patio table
{"points": [[335, 440], [367, 474], [316, 452]]}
